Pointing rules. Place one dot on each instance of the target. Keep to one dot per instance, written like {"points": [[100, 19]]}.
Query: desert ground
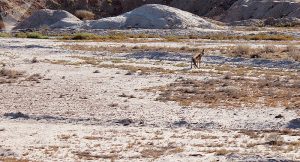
{"points": [[137, 99]]}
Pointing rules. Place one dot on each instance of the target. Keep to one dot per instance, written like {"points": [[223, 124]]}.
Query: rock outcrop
{"points": [[261, 9], [51, 19], [222, 10], [153, 16]]}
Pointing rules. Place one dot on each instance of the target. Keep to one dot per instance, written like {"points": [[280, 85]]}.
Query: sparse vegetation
{"points": [[273, 37], [33, 35], [90, 36], [142, 102], [241, 51], [124, 49], [5, 35], [293, 53], [34, 77], [274, 139], [10, 74], [215, 92], [181, 65], [221, 152], [127, 96], [4, 159]]}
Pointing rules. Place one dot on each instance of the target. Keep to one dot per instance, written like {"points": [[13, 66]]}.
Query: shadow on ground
{"points": [[294, 124], [255, 62], [158, 56]]}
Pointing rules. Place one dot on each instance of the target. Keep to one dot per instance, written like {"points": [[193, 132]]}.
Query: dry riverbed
{"points": [[114, 101]]}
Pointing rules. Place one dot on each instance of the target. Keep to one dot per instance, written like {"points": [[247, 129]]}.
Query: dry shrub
{"points": [[230, 92], [157, 152], [84, 15], [270, 49], [10, 74], [152, 153], [251, 134], [34, 77], [34, 60], [274, 139], [293, 52], [241, 50], [222, 152]]}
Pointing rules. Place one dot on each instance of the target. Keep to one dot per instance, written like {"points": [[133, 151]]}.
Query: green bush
{"points": [[36, 35], [84, 36], [5, 35], [33, 35]]}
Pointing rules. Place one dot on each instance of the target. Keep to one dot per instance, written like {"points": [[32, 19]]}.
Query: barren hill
{"points": [[149, 16], [222, 10]]}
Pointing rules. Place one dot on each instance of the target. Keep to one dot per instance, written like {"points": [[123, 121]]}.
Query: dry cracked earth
{"points": [[140, 101]]}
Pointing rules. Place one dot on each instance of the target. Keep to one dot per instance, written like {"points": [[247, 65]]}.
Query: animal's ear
{"points": [[203, 51]]}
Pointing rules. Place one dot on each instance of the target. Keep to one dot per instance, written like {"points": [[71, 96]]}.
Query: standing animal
{"points": [[196, 59]]}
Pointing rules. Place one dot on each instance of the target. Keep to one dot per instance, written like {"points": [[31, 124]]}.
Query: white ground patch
{"points": [[71, 98]]}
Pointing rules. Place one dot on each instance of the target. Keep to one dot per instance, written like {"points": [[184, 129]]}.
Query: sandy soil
{"points": [[99, 105]]}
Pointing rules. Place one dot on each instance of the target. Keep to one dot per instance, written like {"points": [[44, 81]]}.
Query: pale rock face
{"points": [[153, 16], [46, 17], [261, 9]]}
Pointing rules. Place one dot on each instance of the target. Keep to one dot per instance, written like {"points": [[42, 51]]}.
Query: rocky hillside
{"points": [[258, 9], [222, 10]]}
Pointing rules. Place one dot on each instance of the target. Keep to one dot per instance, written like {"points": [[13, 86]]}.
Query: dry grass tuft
{"points": [[274, 139], [89, 156], [293, 53], [222, 152], [34, 60], [158, 152], [34, 77], [88, 60], [64, 136], [153, 153], [241, 51], [251, 134], [10, 74], [4, 159]]}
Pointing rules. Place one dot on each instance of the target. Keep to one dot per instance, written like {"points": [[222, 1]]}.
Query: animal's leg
{"points": [[195, 62]]}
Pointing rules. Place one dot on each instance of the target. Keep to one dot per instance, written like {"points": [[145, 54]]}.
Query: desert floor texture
{"points": [[139, 100]]}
